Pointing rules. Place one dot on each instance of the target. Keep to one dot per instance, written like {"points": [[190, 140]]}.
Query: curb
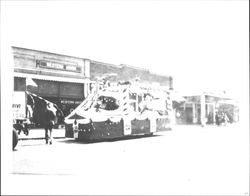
{"points": [[39, 138]]}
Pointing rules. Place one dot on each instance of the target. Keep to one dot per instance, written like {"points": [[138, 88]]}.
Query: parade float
{"points": [[120, 109]]}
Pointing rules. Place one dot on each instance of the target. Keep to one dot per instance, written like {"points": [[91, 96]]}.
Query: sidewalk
{"points": [[40, 134]]}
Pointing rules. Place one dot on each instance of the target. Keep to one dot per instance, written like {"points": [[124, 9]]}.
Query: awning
{"points": [[177, 97], [52, 78]]}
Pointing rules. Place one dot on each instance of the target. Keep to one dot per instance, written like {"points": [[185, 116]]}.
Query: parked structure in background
{"points": [[202, 109], [66, 80]]}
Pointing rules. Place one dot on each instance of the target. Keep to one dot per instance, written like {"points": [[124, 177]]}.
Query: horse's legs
{"points": [[50, 135], [46, 135]]}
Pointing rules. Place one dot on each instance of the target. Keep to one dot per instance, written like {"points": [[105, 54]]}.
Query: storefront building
{"points": [[61, 79], [203, 108]]}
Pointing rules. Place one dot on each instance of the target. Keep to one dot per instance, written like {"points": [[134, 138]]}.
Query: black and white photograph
{"points": [[136, 97]]}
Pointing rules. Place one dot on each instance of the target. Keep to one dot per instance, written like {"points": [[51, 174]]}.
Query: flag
{"points": [[30, 82]]}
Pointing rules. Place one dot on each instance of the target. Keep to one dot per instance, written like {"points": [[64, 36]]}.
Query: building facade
{"points": [[202, 109], [61, 79]]}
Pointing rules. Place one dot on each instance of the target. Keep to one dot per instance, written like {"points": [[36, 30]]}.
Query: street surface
{"points": [[187, 160]]}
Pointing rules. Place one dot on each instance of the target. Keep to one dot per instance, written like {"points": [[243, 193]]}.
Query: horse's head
{"points": [[30, 100]]}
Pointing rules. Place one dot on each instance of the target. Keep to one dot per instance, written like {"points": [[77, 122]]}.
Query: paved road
{"points": [[186, 160], [40, 134]]}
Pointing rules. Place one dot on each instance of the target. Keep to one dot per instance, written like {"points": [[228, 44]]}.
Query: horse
{"points": [[44, 113]]}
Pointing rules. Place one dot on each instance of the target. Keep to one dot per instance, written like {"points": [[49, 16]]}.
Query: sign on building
{"points": [[58, 66], [18, 105]]}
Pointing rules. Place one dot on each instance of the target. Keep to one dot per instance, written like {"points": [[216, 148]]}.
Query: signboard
{"points": [[69, 101], [18, 105], [127, 126], [58, 66]]}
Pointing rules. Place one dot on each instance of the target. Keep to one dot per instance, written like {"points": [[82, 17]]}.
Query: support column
{"points": [[194, 113], [172, 118], [203, 110], [184, 117], [136, 102], [86, 90], [214, 113]]}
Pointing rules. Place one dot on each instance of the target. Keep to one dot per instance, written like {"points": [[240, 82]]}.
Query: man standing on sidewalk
{"points": [[49, 121]]}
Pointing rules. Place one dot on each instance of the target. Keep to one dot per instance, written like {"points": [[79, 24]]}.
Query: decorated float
{"points": [[119, 110]]}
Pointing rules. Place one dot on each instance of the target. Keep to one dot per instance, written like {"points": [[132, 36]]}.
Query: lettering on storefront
{"points": [[67, 102], [71, 102], [58, 66], [18, 105]]}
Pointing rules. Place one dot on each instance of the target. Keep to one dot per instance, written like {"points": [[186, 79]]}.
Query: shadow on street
{"points": [[70, 141], [43, 174]]}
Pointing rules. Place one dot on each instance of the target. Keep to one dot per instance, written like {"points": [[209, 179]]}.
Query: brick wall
{"points": [[125, 72], [97, 69]]}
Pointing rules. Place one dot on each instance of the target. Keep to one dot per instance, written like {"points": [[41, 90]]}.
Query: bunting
{"points": [[169, 102]]}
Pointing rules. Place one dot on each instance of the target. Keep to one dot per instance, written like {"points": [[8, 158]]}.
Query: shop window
{"points": [[71, 90], [48, 88], [19, 84]]}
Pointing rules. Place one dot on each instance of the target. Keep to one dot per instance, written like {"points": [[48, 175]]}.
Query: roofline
{"points": [[113, 65], [52, 78], [16, 47], [153, 73], [219, 95], [133, 67], [144, 69], [109, 64]]}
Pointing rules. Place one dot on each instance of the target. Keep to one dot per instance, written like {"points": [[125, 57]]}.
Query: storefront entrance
{"points": [[67, 96]]}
